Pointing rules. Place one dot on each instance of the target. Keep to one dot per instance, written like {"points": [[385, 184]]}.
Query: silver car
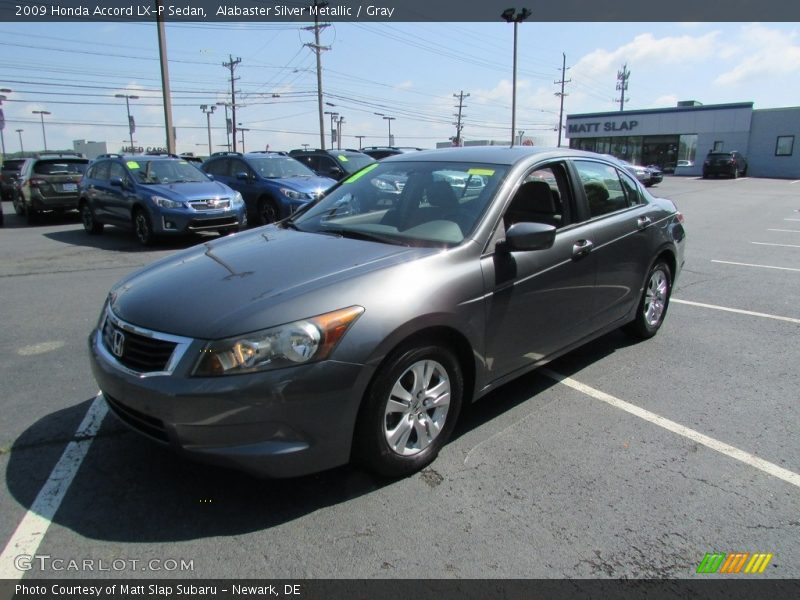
{"points": [[357, 328]]}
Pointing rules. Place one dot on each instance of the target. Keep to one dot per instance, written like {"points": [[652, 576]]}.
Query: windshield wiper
{"points": [[363, 235]]}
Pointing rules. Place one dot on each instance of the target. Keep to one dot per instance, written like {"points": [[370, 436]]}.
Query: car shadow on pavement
{"points": [[11, 220], [133, 490], [122, 240]]}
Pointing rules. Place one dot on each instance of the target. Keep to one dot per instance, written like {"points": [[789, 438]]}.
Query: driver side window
{"points": [[540, 198]]}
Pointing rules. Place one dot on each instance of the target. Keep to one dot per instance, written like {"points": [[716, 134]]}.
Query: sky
{"points": [[409, 71]]}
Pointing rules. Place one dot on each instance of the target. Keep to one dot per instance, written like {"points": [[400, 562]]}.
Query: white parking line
{"points": [[736, 310], [786, 230], [716, 445], [791, 219], [781, 245], [34, 524], [728, 262]]}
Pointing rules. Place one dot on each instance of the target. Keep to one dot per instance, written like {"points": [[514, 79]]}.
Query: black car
{"points": [[272, 184], [379, 152], [336, 164], [9, 176], [357, 329], [731, 164], [48, 182]]}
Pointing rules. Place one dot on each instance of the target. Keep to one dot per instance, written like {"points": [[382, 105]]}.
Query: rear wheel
{"points": [[19, 206], [735, 173], [90, 224], [410, 410], [142, 228], [654, 302]]}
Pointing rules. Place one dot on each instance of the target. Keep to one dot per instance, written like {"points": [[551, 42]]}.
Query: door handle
{"points": [[581, 248], [643, 222]]}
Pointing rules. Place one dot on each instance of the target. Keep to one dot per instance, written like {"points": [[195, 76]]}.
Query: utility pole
{"points": [[333, 115], [227, 125], [339, 133], [622, 85], [318, 50], [232, 66], [562, 94], [165, 91], [457, 140], [209, 110], [360, 139]]}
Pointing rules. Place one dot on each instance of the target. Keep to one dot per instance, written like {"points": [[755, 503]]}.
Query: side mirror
{"points": [[528, 236], [242, 176], [117, 182], [336, 172]]}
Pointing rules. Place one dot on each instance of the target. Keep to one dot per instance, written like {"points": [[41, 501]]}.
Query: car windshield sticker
{"points": [[361, 173], [486, 172], [342, 158], [183, 162], [132, 164]]}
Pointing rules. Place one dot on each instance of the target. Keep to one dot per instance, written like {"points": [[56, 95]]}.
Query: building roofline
{"points": [[673, 109]]}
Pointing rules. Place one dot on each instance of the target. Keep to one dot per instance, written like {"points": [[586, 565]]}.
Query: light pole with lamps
{"points": [[42, 113], [242, 129], [21, 148], [208, 110], [227, 124], [389, 120], [333, 118], [131, 126], [510, 15], [339, 122]]}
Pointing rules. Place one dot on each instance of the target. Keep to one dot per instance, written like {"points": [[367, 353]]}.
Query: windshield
{"points": [[407, 203], [352, 162], [165, 171], [276, 167]]}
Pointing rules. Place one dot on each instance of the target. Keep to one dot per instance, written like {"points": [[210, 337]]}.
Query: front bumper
{"points": [[176, 221], [281, 423]]}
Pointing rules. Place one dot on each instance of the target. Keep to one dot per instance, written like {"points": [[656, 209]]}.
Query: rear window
{"points": [[60, 167], [13, 165]]}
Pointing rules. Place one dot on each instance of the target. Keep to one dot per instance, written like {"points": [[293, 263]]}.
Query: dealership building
{"points": [[689, 131]]}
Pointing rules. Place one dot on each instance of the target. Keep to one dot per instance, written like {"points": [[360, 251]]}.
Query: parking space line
{"points": [[34, 525], [786, 230], [728, 262], [789, 219], [716, 445], [736, 310], [781, 245]]}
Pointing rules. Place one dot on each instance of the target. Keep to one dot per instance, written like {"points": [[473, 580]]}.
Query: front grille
{"points": [[137, 352], [211, 204], [197, 224], [150, 426]]}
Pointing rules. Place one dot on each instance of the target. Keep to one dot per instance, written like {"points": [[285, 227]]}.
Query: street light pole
{"points": [[242, 129], [509, 16], [21, 149], [339, 133], [42, 113], [208, 110], [227, 127], [333, 118], [389, 119], [131, 126]]}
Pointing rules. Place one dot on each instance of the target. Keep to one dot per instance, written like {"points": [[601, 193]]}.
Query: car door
{"points": [[248, 186], [539, 302], [119, 198], [96, 189], [620, 221]]}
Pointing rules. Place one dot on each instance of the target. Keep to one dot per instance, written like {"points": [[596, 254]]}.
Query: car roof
{"points": [[500, 155]]}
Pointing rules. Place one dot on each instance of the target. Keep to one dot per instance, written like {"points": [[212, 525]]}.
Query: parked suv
{"points": [[731, 164], [48, 182], [336, 164], [272, 184], [379, 152], [156, 195], [9, 175]]}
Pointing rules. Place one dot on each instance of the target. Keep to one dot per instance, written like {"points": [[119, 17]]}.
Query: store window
{"points": [[784, 145], [687, 147]]}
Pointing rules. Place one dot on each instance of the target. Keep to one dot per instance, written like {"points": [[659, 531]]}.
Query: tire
{"points": [[654, 302], [267, 212], [735, 174], [395, 438], [744, 173], [90, 224], [19, 206], [228, 231], [142, 227]]}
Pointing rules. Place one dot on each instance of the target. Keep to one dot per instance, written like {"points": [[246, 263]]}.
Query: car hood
{"points": [[310, 185], [191, 190], [250, 281]]}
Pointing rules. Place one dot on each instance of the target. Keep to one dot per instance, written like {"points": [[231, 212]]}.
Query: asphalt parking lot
{"points": [[621, 459]]}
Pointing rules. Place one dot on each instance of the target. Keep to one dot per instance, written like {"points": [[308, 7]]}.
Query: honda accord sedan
{"points": [[356, 329]]}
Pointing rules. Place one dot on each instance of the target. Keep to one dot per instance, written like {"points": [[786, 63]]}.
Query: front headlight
{"points": [[294, 195], [304, 341], [166, 202], [237, 201]]}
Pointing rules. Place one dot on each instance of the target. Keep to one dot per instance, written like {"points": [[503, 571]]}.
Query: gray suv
{"points": [[356, 329]]}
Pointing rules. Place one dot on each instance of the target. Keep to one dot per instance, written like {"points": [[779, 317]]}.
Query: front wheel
{"points": [[142, 228], [267, 212], [654, 302], [409, 411]]}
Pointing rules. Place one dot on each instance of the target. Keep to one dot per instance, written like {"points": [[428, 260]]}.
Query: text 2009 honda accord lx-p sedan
{"points": [[359, 327]]}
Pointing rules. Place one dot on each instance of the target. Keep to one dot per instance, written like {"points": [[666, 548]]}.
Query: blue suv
{"points": [[273, 184], [156, 195]]}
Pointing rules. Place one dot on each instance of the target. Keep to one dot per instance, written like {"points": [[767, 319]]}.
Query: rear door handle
{"points": [[581, 248], [643, 222]]}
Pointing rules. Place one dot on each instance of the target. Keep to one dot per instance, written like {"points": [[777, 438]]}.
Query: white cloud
{"points": [[770, 53]]}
